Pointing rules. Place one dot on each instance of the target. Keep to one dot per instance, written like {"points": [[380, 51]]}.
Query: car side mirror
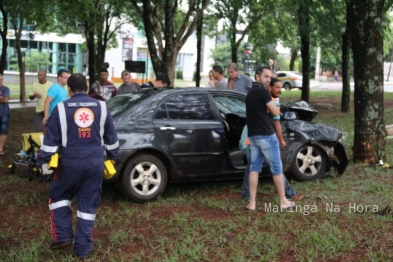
{"points": [[289, 116]]}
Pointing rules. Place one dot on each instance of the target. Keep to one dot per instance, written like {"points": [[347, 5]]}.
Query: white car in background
{"points": [[290, 79]]}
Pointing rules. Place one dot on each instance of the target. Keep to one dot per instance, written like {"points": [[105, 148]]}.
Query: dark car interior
{"points": [[234, 125]]}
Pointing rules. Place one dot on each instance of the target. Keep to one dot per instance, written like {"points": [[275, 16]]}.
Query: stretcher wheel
{"points": [[12, 168]]}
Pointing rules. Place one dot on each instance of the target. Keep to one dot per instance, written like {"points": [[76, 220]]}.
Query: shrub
{"points": [[179, 74]]}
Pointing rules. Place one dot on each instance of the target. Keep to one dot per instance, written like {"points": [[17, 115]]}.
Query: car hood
{"points": [[303, 109], [315, 131]]}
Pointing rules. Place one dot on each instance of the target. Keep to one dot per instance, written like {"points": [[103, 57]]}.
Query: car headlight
{"points": [[342, 136]]}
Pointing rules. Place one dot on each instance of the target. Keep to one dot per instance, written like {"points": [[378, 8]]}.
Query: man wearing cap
{"points": [[56, 94]]}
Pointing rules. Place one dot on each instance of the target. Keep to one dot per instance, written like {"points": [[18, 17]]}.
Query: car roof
{"points": [[165, 92]]}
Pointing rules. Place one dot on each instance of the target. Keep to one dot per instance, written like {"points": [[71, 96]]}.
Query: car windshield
{"points": [[120, 103]]}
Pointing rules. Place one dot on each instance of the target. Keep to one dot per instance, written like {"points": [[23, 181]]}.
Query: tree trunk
{"points": [[293, 59], [367, 46], [18, 32], [346, 48], [92, 54], [234, 46], [304, 28], [199, 32], [390, 66], [3, 33], [21, 66]]}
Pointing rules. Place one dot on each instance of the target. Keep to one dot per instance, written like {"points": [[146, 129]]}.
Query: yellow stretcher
{"points": [[31, 143]]}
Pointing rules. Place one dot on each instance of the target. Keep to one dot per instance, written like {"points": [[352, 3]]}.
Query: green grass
{"points": [[205, 221]]}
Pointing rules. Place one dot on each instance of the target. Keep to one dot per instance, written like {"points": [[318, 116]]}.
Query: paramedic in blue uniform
{"points": [[81, 129]]}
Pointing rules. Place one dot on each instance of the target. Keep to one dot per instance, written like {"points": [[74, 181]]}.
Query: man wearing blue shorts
{"points": [[4, 113], [263, 140]]}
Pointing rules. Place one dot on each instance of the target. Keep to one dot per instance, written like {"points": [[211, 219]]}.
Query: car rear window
{"points": [[120, 103]]}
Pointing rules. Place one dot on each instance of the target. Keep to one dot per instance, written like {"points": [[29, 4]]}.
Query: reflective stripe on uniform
{"points": [[85, 216], [58, 204], [49, 149], [63, 123], [102, 121], [111, 147]]}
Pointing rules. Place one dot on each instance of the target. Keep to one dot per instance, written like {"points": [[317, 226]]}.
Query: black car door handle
{"points": [[168, 128]]}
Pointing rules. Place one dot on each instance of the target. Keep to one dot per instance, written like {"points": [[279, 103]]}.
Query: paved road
{"points": [[17, 104]]}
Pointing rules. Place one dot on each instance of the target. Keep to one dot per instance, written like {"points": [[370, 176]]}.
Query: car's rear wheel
{"points": [[309, 163], [144, 179], [287, 86]]}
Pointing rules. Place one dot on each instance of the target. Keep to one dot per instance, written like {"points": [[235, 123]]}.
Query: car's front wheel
{"points": [[309, 163], [287, 86], [144, 178]]}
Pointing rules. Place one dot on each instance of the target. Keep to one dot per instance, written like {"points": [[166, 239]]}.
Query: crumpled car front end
{"points": [[310, 144]]}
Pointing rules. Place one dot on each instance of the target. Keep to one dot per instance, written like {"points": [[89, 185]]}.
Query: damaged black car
{"points": [[193, 134]]}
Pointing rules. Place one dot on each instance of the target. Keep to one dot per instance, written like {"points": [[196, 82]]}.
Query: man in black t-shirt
{"points": [[263, 140]]}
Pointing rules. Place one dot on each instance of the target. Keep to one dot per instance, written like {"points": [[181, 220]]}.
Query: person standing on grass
{"points": [[4, 113], [82, 129], [127, 86], [244, 144], [335, 77], [218, 74], [103, 89], [237, 81], [38, 91], [212, 81], [263, 139], [56, 94]]}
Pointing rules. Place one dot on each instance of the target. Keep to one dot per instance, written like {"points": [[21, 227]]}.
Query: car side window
{"points": [[230, 104], [185, 106], [281, 75]]}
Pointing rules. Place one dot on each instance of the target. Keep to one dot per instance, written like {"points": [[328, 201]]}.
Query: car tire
{"points": [[144, 179], [287, 86], [309, 163]]}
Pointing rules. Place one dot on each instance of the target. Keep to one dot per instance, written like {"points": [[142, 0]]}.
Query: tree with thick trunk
{"points": [[199, 32], [365, 17], [294, 51], [304, 32], [4, 40], [346, 49], [18, 11], [158, 19]]}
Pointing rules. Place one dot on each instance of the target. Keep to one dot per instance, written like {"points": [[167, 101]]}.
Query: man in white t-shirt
{"points": [[38, 91]]}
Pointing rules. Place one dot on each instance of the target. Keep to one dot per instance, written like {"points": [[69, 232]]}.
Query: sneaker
{"points": [[60, 245]]}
